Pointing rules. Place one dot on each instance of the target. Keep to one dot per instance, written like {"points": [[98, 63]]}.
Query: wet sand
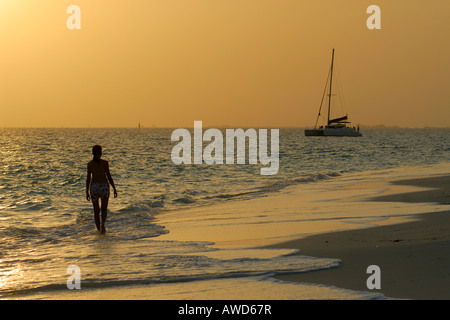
{"points": [[413, 257]]}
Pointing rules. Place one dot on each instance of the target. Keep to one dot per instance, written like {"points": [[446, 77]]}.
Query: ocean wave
{"points": [[185, 200], [156, 269], [310, 178], [143, 206], [20, 232], [230, 196], [260, 191], [130, 223]]}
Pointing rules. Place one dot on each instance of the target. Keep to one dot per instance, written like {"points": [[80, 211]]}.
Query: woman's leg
{"points": [[104, 213], [96, 214]]}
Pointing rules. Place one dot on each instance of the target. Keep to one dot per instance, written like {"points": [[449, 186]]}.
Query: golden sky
{"points": [[242, 63]]}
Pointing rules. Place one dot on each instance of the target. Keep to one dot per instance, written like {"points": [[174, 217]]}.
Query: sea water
{"points": [[46, 223]]}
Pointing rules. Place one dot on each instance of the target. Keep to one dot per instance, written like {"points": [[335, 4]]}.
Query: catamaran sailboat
{"points": [[335, 127]]}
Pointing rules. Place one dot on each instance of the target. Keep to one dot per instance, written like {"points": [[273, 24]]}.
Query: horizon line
{"points": [[379, 126]]}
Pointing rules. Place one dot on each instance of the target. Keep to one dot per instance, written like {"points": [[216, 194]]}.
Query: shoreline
{"points": [[334, 219], [412, 256]]}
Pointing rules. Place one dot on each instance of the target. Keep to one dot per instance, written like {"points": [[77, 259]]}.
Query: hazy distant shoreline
{"points": [[363, 127]]}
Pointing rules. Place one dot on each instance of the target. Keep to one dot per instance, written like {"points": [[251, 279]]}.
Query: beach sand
{"points": [[413, 257]]}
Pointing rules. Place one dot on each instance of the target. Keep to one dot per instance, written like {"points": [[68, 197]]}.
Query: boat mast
{"points": [[331, 80]]}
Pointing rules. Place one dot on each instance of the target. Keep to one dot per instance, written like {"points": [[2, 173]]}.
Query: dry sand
{"points": [[414, 257]]}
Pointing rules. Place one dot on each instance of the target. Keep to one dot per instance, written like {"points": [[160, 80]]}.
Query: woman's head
{"points": [[97, 152]]}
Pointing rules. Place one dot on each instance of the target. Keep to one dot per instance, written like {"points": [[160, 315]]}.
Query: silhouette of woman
{"points": [[97, 184]]}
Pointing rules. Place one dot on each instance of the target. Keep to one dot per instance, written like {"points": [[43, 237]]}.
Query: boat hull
{"points": [[332, 132]]}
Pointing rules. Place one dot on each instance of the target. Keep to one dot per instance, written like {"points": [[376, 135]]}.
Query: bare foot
{"points": [[103, 230]]}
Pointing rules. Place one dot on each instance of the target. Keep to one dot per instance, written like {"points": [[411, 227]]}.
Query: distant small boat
{"points": [[335, 127]]}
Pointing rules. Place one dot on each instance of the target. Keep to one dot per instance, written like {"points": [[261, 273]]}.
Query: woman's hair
{"points": [[97, 152]]}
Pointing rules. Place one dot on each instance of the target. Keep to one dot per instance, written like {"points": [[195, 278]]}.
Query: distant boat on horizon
{"points": [[335, 127]]}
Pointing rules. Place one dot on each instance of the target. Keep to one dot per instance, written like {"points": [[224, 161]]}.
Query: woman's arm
{"points": [[110, 179], [88, 183]]}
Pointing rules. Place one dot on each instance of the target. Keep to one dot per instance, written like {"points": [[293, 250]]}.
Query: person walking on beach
{"points": [[97, 186]]}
